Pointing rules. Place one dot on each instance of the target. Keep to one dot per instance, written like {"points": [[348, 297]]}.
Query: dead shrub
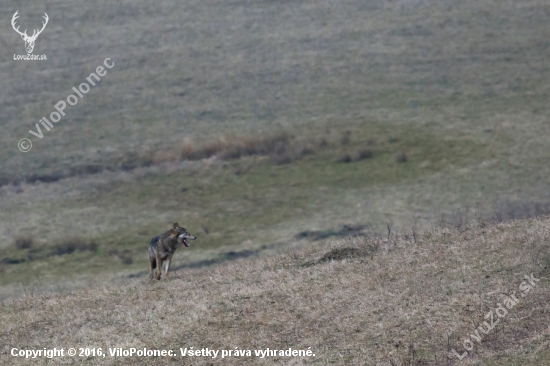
{"points": [[187, 150], [230, 147], [213, 148], [164, 156]]}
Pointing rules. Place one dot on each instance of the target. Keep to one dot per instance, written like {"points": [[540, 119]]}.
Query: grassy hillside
{"points": [[382, 113], [408, 299]]}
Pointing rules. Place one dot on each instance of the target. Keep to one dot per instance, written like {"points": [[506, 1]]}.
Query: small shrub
{"points": [[92, 246], [339, 254], [64, 248], [12, 260], [23, 243], [393, 139], [282, 159], [33, 255], [73, 244], [344, 159], [92, 169], [304, 151], [280, 148], [364, 154], [187, 150], [346, 137], [125, 256], [401, 157]]}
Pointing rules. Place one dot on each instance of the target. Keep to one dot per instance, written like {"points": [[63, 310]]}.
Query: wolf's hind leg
{"points": [[152, 265]]}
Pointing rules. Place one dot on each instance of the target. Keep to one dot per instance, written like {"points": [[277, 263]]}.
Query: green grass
{"points": [[248, 200]]}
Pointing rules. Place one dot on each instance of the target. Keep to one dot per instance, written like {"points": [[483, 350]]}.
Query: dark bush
{"points": [[344, 159], [125, 256], [364, 154], [69, 246], [346, 137], [401, 157], [23, 243]]}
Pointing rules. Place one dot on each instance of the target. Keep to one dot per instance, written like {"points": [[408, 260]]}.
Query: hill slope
{"points": [[407, 300], [395, 111]]}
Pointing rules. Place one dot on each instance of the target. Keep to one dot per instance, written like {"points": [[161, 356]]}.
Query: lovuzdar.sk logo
{"points": [[29, 40]]}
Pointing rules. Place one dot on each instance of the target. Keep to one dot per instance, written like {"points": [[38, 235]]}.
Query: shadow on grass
{"points": [[346, 230], [223, 257]]}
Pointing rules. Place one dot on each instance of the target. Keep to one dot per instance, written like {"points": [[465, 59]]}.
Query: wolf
{"points": [[162, 248]]}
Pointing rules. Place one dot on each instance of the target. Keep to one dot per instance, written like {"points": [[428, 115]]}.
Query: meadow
{"points": [[264, 127], [408, 299]]}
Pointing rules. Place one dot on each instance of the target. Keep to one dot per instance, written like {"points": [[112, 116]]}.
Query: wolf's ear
{"points": [[176, 226]]}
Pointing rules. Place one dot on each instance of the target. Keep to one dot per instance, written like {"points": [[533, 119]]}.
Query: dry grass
{"points": [[232, 147], [282, 148], [471, 76], [406, 300]]}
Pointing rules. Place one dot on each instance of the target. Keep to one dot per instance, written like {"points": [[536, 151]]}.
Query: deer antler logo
{"points": [[29, 41]]}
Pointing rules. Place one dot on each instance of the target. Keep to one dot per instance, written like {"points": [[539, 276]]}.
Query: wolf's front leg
{"points": [[167, 267]]}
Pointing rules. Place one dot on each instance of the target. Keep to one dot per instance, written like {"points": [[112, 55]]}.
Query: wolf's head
{"points": [[183, 234]]}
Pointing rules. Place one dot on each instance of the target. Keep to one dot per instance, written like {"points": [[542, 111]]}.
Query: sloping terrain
{"points": [[253, 122], [409, 299]]}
